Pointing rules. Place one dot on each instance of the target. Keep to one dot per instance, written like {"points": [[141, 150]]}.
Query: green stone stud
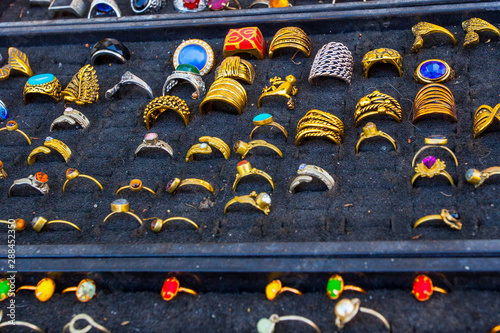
{"points": [[4, 289], [187, 68]]}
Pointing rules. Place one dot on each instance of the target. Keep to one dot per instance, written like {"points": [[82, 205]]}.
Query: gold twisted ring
{"points": [[430, 167], [39, 223], [91, 324], [13, 126], [370, 131], [262, 201], [347, 309], [471, 26], [377, 103], [306, 172], [20, 323], [435, 141], [163, 103], [72, 173], [317, 123], [450, 217], [484, 117], [176, 183], [243, 148], [266, 325], [55, 144], [476, 177], [235, 68], [383, 55], [245, 169], [291, 37], [265, 119], [423, 29], [227, 91], [121, 206], [135, 186], [158, 223]]}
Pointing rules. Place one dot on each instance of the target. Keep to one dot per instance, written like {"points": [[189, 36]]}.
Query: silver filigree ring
{"points": [[129, 78], [193, 78]]}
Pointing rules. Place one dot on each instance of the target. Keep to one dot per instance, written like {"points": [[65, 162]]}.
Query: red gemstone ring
{"points": [[423, 288], [171, 287], [186, 6], [222, 4]]}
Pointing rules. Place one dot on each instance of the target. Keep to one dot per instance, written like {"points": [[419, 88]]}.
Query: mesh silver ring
{"points": [[333, 59]]}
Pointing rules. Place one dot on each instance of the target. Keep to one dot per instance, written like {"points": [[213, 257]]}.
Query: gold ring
{"points": [[243, 148], [20, 323], [476, 177], [335, 287], [317, 123], [265, 119], [471, 26], [383, 55], [3, 173], [267, 325], [433, 71], [291, 37], [17, 61], [83, 88], [85, 290], [91, 323], [248, 40], [17, 224], [55, 144], [163, 103], [44, 84], [13, 126], [135, 186], [39, 223], [72, 173], [121, 206], [176, 183], [282, 88], [430, 167], [244, 169], [423, 29], [205, 147], [237, 69], [158, 223], [370, 131], [347, 309], [171, 287], [306, 172], [38, 182], [262, 201], [434, 99], [377, 103], [225, 91], [450, 217], [495, 329], [275, 287], [423, 288], [44, 289], [435, 141], [484, 117]]}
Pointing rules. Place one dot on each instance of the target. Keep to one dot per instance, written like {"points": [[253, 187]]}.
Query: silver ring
{"points": [[306, 172], [151, 141], [179, 5], [266, 325], [193, 78], [71, 117], [76, 7], [31, 181], [151, 6], [129, 78], [110, 3], [333, 59]]}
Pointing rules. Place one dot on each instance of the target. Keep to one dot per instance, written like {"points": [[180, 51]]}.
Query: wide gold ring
{"points": [[377, 103], [225, 91], [291, 37], [484, 116], [237, 69], [317, 123], [43, 84], [383, 55], [163, 103], [434, 99]]}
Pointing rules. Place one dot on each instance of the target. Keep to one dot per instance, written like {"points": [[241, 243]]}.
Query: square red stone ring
{"points": [[246, 40]]}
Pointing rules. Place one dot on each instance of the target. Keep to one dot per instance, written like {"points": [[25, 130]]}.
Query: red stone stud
{"points": [[423, 288], [171, 287]]}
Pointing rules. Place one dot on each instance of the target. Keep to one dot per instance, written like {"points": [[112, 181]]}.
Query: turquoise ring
{"points": [[265, 119], [45, 84]]}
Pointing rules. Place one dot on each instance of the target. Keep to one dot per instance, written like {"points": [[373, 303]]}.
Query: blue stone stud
{"points": [[4, 113], [433, 71]]}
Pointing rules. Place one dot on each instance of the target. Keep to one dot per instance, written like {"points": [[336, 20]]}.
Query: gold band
{"points": [[484, 117], [20, 323], [262, 201], [227, 91], [243, 148], [472, 26], [317, 123], [176, 183], [423, 29], [434, 99], [157, 224], [451, 218], [17, 61], [83, 88], [135, 186], [235, 68], [163, 103], [438, 168], [383, 55], [291, 37], [269, 122], [495, 329], [370, 131], [244, 169], [39, 223], [278, 87], [72, 173], [34, 152], [121, 206], [51, 89], [13, 126]]}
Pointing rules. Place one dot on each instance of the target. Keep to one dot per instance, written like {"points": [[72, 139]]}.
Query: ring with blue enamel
{"points": [[433, 71], [45, 84], [4, 113]]}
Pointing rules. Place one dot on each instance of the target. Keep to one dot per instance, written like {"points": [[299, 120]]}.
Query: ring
{"points": [[280, 88], [194, 52], [370, 131], [245, 40], [333, 59], [5, 290], [17, 224], [266, 325], [135, 186], [121, 206], [38, 181], [262, 201], [71, 117], [237, 69], [88, 319], [274, 288], [423, 29], [243, 148], [423, 288], [157, 223], [484, 117], [317, 123], [245, 169], [163, 103], [225, 91], [306, 172], [85, 290], [190, 6], [433, 71], [44, 84], [18, 61], [39, 223], [151, 141], [222, 4], [435, 141], [4, 113], [471, 26], [171, 287], [3, 173], [44, 289], [265, 119], [435, 99], [450, 217], [347, 309], [188, 73], [430, 167], [76, 7], [147, 6], [335, 287], [55, 144], [271, 3], [176, 183], [12, 126], [110, 47], [129, 78], [291, 37], [476, 177], [19, 323], [72, 173], [83, 88], [204, 147], [383, 55], [495, 329], [377, 103], [99, 8]]}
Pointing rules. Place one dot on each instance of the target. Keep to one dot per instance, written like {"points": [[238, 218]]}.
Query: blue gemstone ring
{"points": [[4, 113], [147, 6], [433, 71], [197, 53], [45, 84], [104, 8]]}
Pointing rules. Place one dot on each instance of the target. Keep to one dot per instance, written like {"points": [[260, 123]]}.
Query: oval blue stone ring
{"points": [[195, 52], [433, 71], [45, 84]]}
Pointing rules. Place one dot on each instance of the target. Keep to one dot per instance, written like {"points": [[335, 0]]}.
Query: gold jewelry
{"points": [[204, 147], [484, 117], [435, 141], [430, 167], [262, 201], [471, 26], [121, 206], [476, 177], [13, 126], [83, 88], [383, 55], [227, 91], [275, 287], [163, 103], [306, 172], [3, 173], [235, 68], [85, 290], [347, 309], [19, 323], [199, 148], [44, 289], [55, 144], [266, 325], [495, 329], [245, 169], [158, 223], [423, 29], [38, 182], [279, 87], [72, 173], [450, 217], [45, 84], [423, 288], [243, 148], [317, 123], [434, 99], [370, 131], [377, 103], [176, 183], [171, 287], [195, 44], [291, 37], [151, 141], [39, 223], [18, 224], [422, 75], [17, 61], [71, 117], [135, 186], [335, 287], [265, 119], [91, 323]]}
